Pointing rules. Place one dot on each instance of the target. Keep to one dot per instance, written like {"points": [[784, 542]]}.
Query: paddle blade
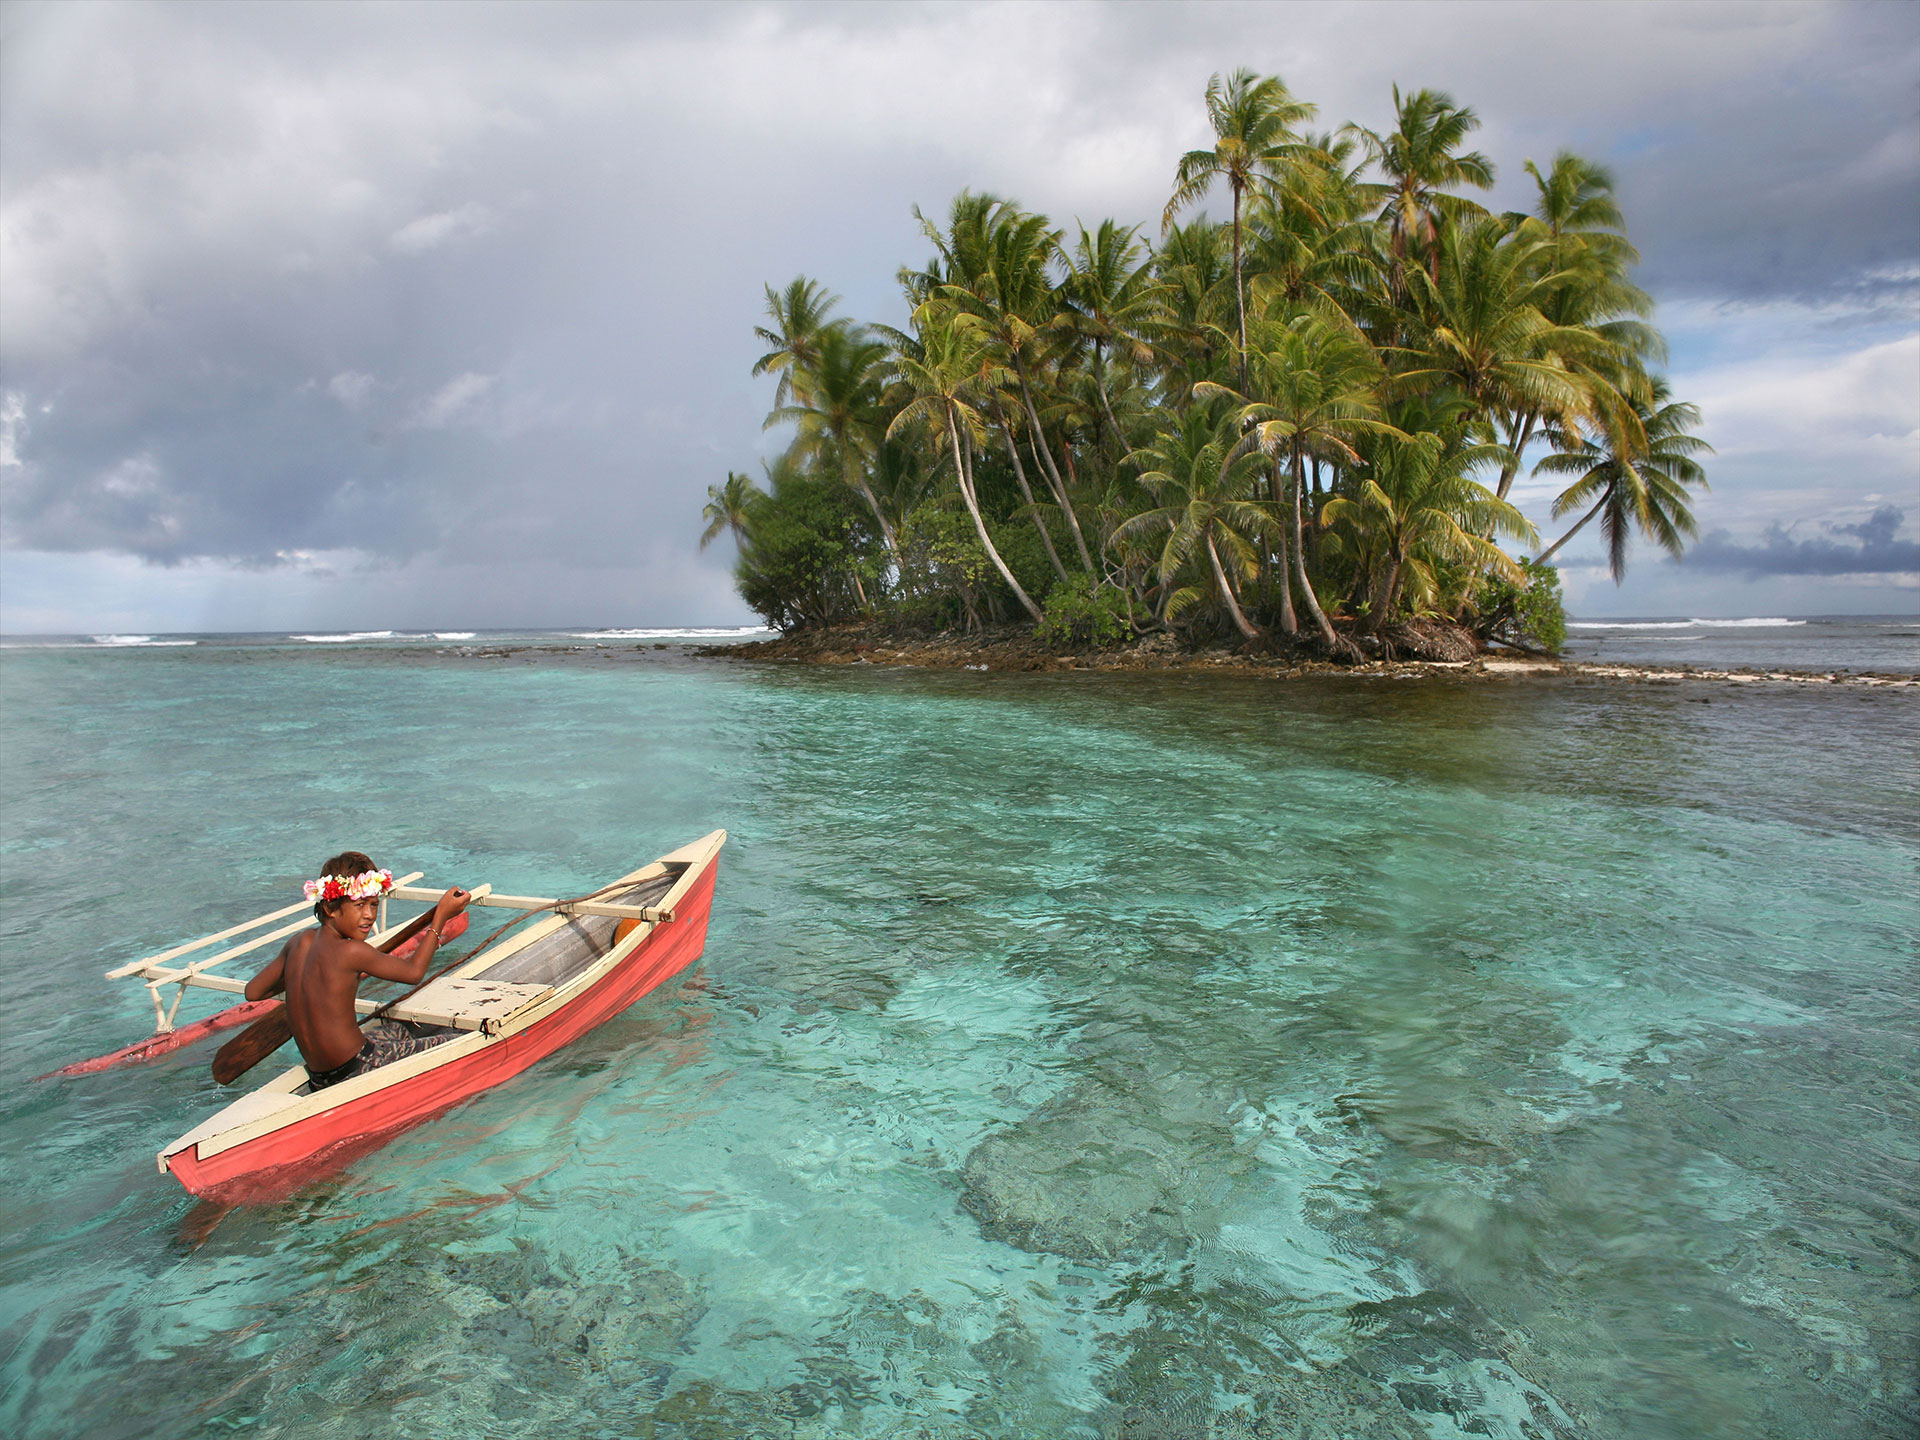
{"points": [[253, 1044]]}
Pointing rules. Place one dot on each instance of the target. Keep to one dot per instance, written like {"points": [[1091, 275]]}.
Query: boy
{"points": [[320, 970]]}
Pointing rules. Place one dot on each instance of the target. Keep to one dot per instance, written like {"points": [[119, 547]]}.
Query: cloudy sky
{"points": [[391, 316]]}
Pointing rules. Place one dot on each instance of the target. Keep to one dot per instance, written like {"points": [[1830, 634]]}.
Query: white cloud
{"points": [[447, 227], [1836, 411], [138, 477], [351, 388], [451, 404], [13, 419]]}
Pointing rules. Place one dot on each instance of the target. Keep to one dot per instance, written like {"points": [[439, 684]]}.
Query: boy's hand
{"points": [[449, 905]]}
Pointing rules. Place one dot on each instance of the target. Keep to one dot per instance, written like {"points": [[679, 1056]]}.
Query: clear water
{"points": [[1118, 1056]]}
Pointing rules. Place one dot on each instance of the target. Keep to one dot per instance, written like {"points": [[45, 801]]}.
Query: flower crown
{"points": [[349, 887]]}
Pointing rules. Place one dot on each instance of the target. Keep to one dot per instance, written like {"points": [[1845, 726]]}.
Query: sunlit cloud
{"points": [[451, 403], [430, 232]]}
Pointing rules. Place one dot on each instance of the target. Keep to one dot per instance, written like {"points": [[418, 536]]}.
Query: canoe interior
{"points": [[558, 958]]}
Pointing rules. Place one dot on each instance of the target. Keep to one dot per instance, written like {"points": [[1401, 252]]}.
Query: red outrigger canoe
{"points": [[516, 1003]]}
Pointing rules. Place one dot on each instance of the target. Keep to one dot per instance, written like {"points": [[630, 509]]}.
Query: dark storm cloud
{"points": [[479, 283], [1877, 551], [1800, 177]]}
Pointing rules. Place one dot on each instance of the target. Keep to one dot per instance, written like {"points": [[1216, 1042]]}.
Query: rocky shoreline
{"points": [[1017, 649]]}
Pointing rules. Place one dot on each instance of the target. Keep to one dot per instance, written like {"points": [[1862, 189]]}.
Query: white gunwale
{"points": [[217, 1133]]}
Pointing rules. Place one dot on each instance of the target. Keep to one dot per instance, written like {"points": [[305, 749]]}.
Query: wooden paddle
{"points": [[270, 1032]]}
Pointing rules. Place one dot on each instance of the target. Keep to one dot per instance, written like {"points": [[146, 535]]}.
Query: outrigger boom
{"points": [[157, 973]]}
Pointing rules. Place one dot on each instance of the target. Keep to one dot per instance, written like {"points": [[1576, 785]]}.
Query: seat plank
{"points": [[468, 1004]]}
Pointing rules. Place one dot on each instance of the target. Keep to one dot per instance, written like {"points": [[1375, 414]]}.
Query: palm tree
{"points": [[1204, 478], [944, 375], [1644, 488], [800, 316], [997, 261], [1318, 387], [1116, 303], [840, 415], [1576, 199], [1421, 160], [1255, 120], [1584, 259], [1416, 505], [1195, 279], [1482, 332], [1309, 243], [728, 508]]}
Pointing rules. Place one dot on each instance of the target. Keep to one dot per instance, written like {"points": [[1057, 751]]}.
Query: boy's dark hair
{"points": [[346, 864]]}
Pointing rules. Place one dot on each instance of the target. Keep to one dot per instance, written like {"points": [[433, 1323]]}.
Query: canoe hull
{"points": [[279, 1162]]}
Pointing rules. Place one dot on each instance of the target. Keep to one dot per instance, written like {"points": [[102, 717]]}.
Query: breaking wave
{"points": [[683, 632], [1772, 622]]}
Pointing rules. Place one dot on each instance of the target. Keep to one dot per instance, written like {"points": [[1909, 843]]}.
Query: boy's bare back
{"points": [[321, 969], [322, 978]]}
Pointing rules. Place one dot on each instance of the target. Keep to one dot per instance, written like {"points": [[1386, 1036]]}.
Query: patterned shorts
{"points": [[385, 1042]]}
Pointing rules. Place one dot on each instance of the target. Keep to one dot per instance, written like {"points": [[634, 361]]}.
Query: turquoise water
{"points": [[1118, 1056]]}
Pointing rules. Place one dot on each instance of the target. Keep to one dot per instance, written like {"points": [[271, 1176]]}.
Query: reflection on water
{"points": [[1071, 1057]]}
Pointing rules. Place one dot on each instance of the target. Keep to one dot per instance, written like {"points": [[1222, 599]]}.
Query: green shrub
{"points": [[947, 576], [1082, 611], [805, 544], [1528, 612]]}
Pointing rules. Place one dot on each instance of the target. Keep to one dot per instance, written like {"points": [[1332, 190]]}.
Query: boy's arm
{"points": [[272, 979], [369, 961]]}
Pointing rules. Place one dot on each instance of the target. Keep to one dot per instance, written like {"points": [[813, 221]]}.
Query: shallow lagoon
{"points": [[1072, 1056]]}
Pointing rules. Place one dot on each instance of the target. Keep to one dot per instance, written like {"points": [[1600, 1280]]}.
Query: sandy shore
{"points": [[1017, 650]]}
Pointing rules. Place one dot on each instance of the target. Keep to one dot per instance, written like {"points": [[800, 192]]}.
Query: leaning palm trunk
{"points": [[1106, 405], [1383, 595], [1579, 525], [980, 525], [1320, 621], [1026, 491], [1315, 496], [1240, 621], [1512, 467], [893, 542], [1289, 622], [1045, 452]]}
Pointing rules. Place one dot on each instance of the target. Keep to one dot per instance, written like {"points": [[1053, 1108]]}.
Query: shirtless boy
{"points": [[320, 970]]}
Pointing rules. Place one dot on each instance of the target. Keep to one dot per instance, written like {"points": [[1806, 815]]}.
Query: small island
{"points": [[1290, 435]]}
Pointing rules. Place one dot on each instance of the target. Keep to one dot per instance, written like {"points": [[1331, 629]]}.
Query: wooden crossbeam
{"points": [[121, 972], [651, 913]]}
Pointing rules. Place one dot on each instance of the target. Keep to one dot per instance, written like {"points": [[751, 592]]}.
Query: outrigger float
{"points": [[517, 1003]]}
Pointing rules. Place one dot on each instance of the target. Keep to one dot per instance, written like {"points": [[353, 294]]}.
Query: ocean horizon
{"points": [[1879, 643]]}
